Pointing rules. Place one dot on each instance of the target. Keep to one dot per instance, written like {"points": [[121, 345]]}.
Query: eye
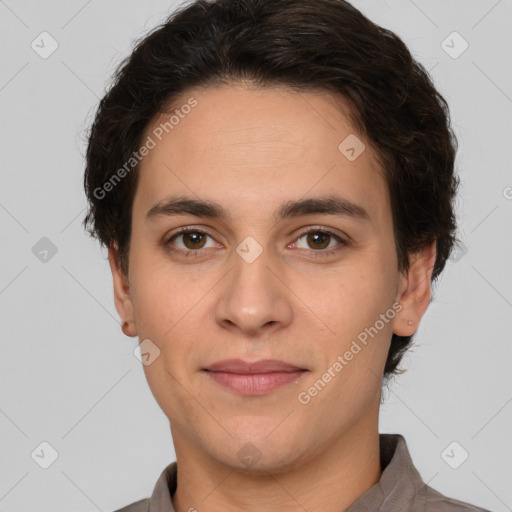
{"points": [[320, 240], [193, 240]]}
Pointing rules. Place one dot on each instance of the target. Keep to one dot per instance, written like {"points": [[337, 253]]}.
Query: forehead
{"points": [[239, 144]]}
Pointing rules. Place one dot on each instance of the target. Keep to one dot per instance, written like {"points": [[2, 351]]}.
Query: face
{"points": [[291, 259]]}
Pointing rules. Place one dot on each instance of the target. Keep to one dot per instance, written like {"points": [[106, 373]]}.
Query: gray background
{"points": [[68, 375]]}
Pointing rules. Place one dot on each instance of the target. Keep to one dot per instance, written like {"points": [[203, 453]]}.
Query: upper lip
{"points": [[262, 366]]}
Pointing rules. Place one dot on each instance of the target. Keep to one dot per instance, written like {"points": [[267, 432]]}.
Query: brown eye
{"points": [[188, 241], [320, 242], [319, 239], [193, 240]]}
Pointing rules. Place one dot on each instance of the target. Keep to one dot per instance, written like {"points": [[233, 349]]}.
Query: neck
{"points": [[330, 481]]}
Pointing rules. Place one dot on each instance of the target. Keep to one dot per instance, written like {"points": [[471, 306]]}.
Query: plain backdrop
{"points": [[68, 376]]}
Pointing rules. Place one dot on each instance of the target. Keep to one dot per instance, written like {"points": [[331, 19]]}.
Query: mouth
{"points": [[253, 378]]}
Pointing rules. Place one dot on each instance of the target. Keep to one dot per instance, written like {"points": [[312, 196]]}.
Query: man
{"points": [[274, 183]]}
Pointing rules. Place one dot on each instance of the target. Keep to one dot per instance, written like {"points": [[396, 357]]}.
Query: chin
{"points": [[260, 453]]}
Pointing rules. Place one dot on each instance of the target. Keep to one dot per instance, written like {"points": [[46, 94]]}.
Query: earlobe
{"points": [[122, 293], [415, 291], [129, 329]]}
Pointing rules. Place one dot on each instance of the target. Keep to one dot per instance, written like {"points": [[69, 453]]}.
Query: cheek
{"points": [[161, 298], [168, 394], [356, 314], [346, 301], [174, 340]]}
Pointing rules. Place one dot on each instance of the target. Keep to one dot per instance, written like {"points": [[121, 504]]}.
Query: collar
{"points": [[397, 488]]}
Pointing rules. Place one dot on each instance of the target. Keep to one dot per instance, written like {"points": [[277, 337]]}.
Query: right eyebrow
{"points": [[185, 205]]}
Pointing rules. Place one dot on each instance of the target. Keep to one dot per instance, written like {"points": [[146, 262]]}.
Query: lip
{"points": [[253, 378], [261, 366]]}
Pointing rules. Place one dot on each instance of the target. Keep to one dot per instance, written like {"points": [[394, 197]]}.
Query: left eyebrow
{"points": [[330, 205]]}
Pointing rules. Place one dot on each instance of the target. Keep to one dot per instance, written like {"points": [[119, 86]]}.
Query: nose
{"points": [[253, 298]]}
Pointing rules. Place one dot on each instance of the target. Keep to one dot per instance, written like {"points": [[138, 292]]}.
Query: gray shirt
{"points": [[400, 489]]}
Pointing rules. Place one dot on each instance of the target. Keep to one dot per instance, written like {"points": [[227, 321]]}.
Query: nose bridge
{"points": [[253, 296]]}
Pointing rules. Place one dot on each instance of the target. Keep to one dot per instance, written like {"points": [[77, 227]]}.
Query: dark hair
{"points": [[306, 45]]}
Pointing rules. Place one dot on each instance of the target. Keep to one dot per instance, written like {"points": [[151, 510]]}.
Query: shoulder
{"points": [[434, 501], [160, 499], [137, 506]]}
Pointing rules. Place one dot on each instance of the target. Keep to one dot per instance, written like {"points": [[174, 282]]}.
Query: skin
{"points": [[251, 149]]}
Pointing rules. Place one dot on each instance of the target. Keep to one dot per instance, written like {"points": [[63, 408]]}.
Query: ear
{"points": [[415, 291], [122, 296]]}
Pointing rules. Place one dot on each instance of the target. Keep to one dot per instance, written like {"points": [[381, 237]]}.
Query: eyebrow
{"points": [[329, 205]]}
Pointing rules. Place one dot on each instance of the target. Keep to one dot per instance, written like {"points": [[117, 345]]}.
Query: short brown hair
{"points": [[306, 45]]}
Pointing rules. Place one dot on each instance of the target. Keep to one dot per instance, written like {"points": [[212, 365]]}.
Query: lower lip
{"points": [[254, 383]]}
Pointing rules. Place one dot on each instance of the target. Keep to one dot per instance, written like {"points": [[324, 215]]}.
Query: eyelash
{"points": [[198, 252]]}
